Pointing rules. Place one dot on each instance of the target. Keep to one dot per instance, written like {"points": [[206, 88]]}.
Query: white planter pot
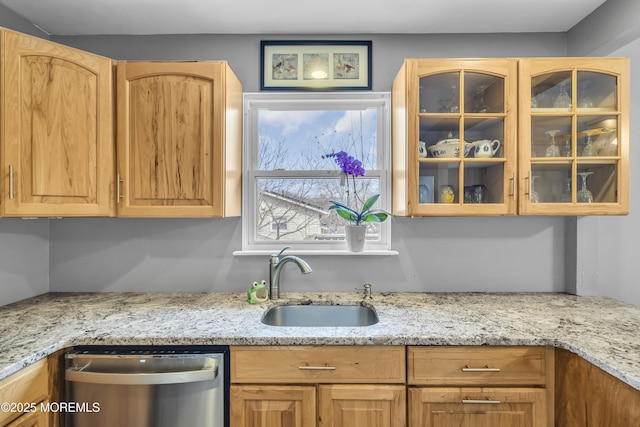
{"points": [[355, 235]]}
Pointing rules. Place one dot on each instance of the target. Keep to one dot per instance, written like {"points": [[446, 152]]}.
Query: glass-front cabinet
{"points": [[454, 137], [542, 136], [574, 136]]}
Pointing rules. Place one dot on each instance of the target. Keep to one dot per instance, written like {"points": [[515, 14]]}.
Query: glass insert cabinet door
{"points": [[460, 136], [574, 135]]}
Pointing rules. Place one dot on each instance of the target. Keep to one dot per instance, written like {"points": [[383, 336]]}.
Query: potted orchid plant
{"points": [[357, 216]]}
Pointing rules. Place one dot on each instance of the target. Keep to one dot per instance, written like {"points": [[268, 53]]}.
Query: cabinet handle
{"points": [[487, 368], [527, 191], [118, 193], [513, 186], [484, 401], [10, 182], [317, 368]]}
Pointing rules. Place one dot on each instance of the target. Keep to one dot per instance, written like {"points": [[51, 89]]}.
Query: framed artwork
{"points": [[315, 65]]}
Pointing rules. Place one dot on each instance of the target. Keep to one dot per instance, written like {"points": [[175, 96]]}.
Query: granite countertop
{"points": [[601, 330]]}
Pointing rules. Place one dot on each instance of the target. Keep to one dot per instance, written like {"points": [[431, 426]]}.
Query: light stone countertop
{"points": [[604, 331]]}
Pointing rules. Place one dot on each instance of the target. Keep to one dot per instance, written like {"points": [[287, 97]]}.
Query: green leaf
{"points": [[347, 215], [375, 217], [370, 202]]}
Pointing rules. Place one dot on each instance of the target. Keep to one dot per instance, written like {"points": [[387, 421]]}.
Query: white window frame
{"points": [[253, 102]]}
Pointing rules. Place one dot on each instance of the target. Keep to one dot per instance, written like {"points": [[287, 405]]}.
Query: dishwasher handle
{"points": [[142, 379]]}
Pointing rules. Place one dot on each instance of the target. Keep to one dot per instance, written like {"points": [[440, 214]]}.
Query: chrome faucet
{"points": [[275, 265]]}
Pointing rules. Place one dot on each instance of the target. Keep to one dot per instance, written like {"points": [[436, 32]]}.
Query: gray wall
{"points": [[436, 254], [24, 245], [243, 51], [607, 248], [8, 19], [24, 258]]}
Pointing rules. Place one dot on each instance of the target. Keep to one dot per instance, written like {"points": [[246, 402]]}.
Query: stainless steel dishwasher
{"points": [[147, 386]]}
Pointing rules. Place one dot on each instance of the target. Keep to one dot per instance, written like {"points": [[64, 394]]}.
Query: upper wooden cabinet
{"points": [[179, 139], [574, 136], [506, 136], [454, 137], [57, 129]]}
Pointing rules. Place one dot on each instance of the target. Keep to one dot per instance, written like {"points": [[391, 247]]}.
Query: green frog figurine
{"points": [[257, 292]]}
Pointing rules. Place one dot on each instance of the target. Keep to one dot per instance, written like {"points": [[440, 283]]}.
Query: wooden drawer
{"points": [[29, 385], [311, 364], [474, 365]]}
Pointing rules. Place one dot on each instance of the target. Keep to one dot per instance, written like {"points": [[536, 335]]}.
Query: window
{"points": [[279, 225], [288, 182]]}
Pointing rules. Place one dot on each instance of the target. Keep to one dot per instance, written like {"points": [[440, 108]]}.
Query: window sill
{"points": [[374, 252]]}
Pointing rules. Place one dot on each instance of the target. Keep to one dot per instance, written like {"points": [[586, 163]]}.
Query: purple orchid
{"points": [[348, 164]]}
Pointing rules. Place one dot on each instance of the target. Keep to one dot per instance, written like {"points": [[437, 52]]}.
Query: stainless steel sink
{"points": [[320, 315]]}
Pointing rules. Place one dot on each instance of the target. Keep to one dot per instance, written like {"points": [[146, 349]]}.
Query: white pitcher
{"points": [[486, 147]]}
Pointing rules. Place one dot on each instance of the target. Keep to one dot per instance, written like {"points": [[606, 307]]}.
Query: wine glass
{"points": [[533, 194], [566, 193], [567, 148], [563, 100], [584, 100], [584, 195], [588, 149], [452, 105], [481, 107], [552, 150]]}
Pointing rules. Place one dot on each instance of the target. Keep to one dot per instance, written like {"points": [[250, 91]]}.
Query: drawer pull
{"points": [[317, 368], [485, 369], [484, 401]]}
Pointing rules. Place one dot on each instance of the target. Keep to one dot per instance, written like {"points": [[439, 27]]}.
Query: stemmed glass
{"points": [[533, 194], [588, 149], [452, 105], [584, 195], [481, 107], [552, 150], [585, 100], [563, 100], [566, 193]]}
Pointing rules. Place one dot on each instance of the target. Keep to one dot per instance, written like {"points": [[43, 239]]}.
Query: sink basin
{"points": [[320, 315]]}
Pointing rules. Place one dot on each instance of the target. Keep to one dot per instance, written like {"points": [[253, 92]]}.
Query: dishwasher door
{"points": [[145, 388]]}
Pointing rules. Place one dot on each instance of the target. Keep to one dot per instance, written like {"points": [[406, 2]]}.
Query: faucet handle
{"points": [[280, 253], [367, 291]]}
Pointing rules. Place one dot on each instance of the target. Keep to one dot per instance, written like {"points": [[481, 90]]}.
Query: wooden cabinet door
{"points": [[362, 405], [172, 154], [273, 406], [574, 136], [588, 396], [32, 419], [454, 137], [477, 407], [57, 135], [28, 386]]}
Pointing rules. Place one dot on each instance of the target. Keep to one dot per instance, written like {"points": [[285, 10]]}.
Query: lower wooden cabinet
{"points": [[588, 396], [337, 406], [273, 406], [23, 392], [477, 407], [361, 405], [472, 386], [324, 386], [32, 419]]}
